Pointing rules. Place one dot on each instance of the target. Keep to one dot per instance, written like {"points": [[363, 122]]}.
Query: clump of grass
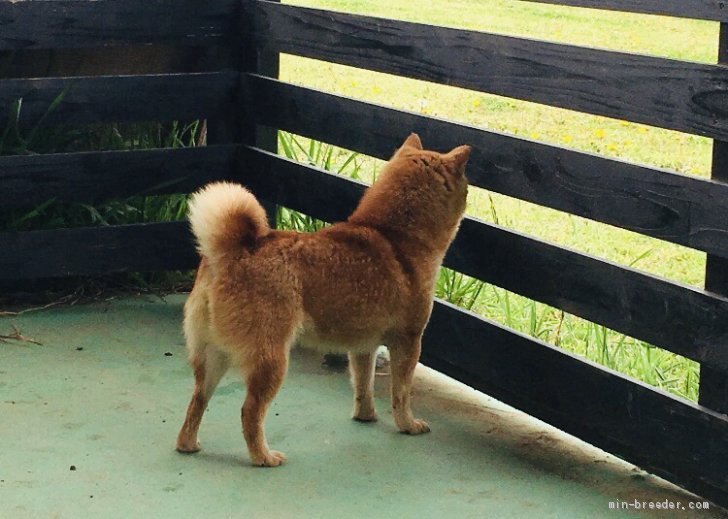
{"points": [[15, 142], [319, 154], [627, 355], [38, 139], [458, 289]]}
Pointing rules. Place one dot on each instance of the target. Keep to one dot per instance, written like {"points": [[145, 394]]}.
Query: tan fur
{"points": [[349, 287]]}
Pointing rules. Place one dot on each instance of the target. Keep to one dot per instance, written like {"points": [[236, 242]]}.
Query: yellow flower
{"points": [[611, 147], [477, 103], [535, 135], [600, 133], [567, 139], [624, 123]]}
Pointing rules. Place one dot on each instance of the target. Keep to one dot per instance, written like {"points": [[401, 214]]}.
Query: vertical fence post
{"points": [[260, 61], [713, 383]]}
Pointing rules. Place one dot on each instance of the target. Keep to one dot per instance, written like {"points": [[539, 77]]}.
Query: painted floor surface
{"points": [[89, 418]]}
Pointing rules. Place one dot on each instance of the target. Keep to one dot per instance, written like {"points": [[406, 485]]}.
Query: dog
{"points": [[349, 287]]}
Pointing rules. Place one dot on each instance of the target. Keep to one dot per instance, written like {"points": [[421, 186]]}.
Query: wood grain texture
{"points": [[109, 61], [716, 10], [661, 204], [92, 177], [672, 94], [267, 63], [108, 99], [686, 321], [713, 389], [96, 250], [62, 24], [670, 437]]}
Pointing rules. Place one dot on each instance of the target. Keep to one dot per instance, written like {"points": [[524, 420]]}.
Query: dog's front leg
{"points": [[404, 353], [361, 366]]}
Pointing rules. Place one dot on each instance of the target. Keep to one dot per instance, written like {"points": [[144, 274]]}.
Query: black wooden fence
{"points": [[244, 104]]}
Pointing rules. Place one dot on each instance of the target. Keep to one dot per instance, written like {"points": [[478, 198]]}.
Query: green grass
{"points": [[682, 153], [135, 209], [38, 139]]}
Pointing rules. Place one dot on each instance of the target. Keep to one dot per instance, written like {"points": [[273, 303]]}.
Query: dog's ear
{"points": [[458, 158], [413, 141]]}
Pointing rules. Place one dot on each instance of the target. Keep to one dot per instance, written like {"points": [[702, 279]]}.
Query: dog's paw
{"points": [[188, 447], [416, 427], [365, 416], [269, 459]]}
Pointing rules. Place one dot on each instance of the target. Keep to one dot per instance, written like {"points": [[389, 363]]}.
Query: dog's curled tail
{"points": [[226, 220]]}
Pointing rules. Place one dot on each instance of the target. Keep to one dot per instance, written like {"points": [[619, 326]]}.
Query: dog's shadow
{"points": [[218, 458]]}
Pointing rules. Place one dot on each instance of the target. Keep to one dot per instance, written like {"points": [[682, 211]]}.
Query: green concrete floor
{"points": [[103, 395]]}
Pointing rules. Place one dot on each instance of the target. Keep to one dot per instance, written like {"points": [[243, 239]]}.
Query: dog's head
{"points": [[418, 189], [441, 175]]}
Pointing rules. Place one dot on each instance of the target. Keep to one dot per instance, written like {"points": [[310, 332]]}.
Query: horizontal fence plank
{"points": [[689, 322], [93, 177], [101, 23], [111, 61], [661, 204], [96, 250], [699, 9], [682, 96], [675, 439], [110, 99]]}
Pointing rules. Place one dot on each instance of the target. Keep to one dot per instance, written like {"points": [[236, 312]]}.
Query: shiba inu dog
{"points": [[349, 287]]}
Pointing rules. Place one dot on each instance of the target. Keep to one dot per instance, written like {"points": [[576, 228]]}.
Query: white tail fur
{"points": [[226, 219]]}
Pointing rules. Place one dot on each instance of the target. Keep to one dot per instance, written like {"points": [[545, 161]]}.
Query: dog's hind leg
{"points": [[264, 373], [209, 364], [209, 367], [361, 366]]}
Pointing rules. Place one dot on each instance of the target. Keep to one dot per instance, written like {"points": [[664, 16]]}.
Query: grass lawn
{"points": [[683, 153]]}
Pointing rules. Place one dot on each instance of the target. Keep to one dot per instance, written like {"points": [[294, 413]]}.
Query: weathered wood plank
{"points": [[93, 177], [112, 61], [686, 321], [96, 250], [673, 438], [658, 203], [107, 99], [714, 383], [698, 9], [672, 94], [266, 62], [61, 24]]}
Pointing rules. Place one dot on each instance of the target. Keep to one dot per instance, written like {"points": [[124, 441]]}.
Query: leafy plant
{"points": [[319, 154], [457, 288], [15, 140]]}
